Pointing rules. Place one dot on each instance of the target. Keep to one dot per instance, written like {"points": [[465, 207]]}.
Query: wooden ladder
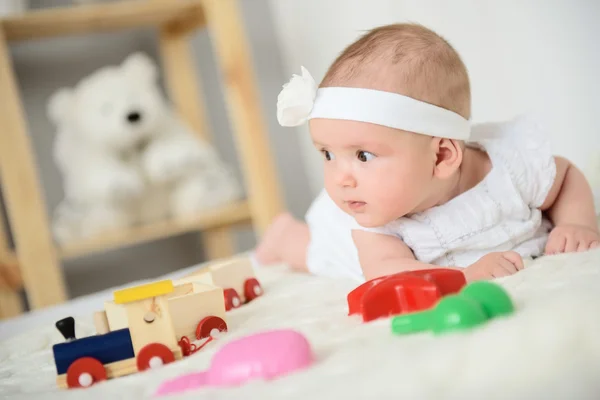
{"points": [[37, 255]]}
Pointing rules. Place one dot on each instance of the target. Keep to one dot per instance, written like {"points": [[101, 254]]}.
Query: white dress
{"points": [[500, 213]]}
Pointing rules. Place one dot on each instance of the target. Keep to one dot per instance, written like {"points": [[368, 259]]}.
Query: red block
{"points": [[355, 296], [403, 292], [449, 281]]}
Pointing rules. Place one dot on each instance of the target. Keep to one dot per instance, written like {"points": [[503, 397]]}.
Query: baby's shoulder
{"points": [[522, 148]]}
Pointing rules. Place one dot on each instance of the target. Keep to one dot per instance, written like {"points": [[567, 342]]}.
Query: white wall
{"points": [[522, 56]]}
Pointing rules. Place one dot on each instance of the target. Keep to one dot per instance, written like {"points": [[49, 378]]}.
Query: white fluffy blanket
{"points": [[549, 349]]}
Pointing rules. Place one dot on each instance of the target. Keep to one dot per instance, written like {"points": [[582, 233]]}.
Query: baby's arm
{"points": [[570, 206], [381, 255]]}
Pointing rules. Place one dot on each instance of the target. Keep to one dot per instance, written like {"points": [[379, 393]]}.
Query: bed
{"points": [[548, 349]]}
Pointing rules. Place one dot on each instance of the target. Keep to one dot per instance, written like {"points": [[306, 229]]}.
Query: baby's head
{"points": [[408, 59], [377, 173]]}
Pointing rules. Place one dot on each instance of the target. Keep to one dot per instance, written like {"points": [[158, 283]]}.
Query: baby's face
{"points": [[374, 173]]}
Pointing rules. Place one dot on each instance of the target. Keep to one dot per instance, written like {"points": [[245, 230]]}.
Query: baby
{"points": [[410, 183]]}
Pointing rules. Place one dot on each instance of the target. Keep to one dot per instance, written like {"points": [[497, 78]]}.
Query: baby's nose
{"points": [[134, 117], [346, 179]]}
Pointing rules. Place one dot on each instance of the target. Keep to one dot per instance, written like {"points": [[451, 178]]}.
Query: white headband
{"points": [[300, 101]]}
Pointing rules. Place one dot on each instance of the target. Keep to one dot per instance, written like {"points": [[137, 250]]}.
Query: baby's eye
{"points": [[328, 155], [365, 156]]}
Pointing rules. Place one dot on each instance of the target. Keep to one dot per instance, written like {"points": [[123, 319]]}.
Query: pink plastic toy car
{"points": [[265, 355]]}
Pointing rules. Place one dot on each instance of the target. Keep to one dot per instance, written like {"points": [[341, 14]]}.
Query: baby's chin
{"points": [[365, 218], [370, 221]]}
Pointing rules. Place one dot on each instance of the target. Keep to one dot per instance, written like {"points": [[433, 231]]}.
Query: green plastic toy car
{"points": [[475, 304]]}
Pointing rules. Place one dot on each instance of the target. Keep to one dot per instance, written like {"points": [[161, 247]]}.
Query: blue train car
{"points": [[108, 348]]}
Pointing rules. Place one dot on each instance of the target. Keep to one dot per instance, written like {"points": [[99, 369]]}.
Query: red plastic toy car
{"points": [[403, 292]]}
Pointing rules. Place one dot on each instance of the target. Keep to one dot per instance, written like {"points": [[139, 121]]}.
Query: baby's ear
{"points": [[59, 105], [140, 66], [449, 156]]}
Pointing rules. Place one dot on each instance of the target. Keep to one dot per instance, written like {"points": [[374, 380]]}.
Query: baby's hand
{"points": [[572, 238], [494, 265]]}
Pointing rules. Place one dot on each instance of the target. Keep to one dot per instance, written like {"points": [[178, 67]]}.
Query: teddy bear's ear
{"points": [[59, 105], [139, 65]]}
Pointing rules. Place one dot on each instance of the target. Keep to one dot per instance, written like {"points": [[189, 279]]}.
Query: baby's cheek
{"points": [[328, 181], [378, 192], [396, 200]]}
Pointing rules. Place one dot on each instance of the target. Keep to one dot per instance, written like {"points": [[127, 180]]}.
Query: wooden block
{"points": [[149, 321], [116, 315], [189, 302], [121, 368], [181, 290], [192, 304], [202, 276], [143, 292], [101, 322], [232, 273]]}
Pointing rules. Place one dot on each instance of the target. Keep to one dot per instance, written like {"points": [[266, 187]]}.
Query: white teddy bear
{"points": [[126, 158]]}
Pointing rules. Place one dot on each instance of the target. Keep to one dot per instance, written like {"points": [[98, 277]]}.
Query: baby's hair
{"points": [[408, 59]]}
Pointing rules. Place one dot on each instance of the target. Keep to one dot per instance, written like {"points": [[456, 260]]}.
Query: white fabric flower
{"points": [[296, 99]]}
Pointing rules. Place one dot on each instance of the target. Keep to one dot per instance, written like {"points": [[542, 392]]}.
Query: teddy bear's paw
{"points": [[73, 221], [102, 219], [163, 172], [64, 233], [190, 197], [207, 190], [171, 159], [156, 164], [125, 186], [195, 156]]}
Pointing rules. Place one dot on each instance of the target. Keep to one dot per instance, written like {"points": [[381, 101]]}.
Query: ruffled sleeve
{"points": [[525, 151]]}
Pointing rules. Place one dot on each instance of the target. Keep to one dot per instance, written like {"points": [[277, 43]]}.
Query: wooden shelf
{"points": [[37, 254], [102, 17], [223, 216]]}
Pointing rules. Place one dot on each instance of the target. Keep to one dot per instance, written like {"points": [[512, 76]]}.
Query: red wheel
{"points": [[84, 372], [252, 289], [154, 355], [208, 324], [232, 299]]}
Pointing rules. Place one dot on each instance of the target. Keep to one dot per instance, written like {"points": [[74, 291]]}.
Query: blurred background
{"points": [[522, 56]]}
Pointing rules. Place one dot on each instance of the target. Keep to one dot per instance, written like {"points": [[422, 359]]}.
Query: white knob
{"points": [[85, 380], [156, 362]]}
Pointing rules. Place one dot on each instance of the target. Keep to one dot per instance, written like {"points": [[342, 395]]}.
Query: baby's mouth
{"points": [[355, 205]]}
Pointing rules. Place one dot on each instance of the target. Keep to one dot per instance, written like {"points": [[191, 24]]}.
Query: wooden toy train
{"points": [[234, 275], [151, 325]]}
